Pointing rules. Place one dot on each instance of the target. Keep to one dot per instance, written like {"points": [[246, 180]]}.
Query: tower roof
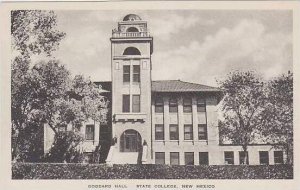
{"points": [[131, 17]]}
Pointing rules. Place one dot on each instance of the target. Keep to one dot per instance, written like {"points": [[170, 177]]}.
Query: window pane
{"points": [[243, 157], [159, 105], [159, 158], [202, 132], [278, 157], [89, 132], [126, 73], [159, 132], [189, 158], [126, 103], [229, 157], [173, 106], [136, 103], [203, 158], [174, 132], [188, 132], [136, 73], [174, 158], [264, 157], [187, 105]]}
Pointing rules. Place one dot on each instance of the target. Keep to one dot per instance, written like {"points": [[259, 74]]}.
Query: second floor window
{"points": [[136, 103], [202, 132], [159, 105], [173, 106], [126, 103], [136, 73], [159, 132], [188, 132], [89, 132], [187, 105], [174, 135], [126, 73]]}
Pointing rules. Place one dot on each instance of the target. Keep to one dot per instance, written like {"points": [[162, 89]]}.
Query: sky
{"points": [[199, 46]]}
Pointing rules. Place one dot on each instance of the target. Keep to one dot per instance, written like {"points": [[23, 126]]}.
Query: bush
{"points": [[102, 171]]}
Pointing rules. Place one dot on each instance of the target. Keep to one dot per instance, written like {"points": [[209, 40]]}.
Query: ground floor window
{"points": [[203, 158], [278, 157], [229, 157], [264, 157], [244, 158], [89, 132], [174, 158], [189, 158], [159, 158]]}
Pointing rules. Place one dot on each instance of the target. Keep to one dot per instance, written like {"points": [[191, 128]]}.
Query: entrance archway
{"points": [[130, 141]]}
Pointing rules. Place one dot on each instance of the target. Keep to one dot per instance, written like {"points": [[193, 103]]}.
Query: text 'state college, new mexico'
{"points": [[158, 122]]}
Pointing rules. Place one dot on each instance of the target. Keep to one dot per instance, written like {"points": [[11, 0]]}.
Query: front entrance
{"points": [[130, 141]]}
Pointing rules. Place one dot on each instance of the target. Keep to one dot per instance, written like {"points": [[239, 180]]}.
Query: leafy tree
{"points": [[278, 125], [243, 104]]}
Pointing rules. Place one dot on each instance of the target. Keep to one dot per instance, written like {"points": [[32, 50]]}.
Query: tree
{"points": [[33, 32], [243, 104], [278, 125]]}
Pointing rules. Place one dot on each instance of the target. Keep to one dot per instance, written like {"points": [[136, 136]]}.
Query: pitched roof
{"points": [[181, 86]]}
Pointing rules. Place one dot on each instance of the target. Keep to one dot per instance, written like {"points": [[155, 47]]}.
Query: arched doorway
{"points": [[130, 141]]}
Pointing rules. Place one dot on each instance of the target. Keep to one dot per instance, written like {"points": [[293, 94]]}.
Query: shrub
{"points": [[102, 171]]}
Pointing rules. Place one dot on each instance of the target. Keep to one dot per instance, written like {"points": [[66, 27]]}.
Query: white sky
{"points": [[196, 46]]}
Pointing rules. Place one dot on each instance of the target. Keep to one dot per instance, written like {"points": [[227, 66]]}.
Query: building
{"points": [[160, 122]]}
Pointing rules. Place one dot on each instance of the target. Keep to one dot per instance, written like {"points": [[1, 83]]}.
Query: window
{"points": [[188, 132], [159, 158], [202, 132], [136, 73], [201, 106], [159, 105], [89, 132], [136, 103], [189, 158], [131, 51], [229, 157], [159, 132], [126, 73], [203, 158], [173, 106], [264, 157], [132, 29], [126, 103], [174, 135], [174, 158], [278, 157], [187, 105], [243, 155]]}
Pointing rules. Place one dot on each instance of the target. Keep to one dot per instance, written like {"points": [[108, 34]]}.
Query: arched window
{"points": [[130, 141], [131, 51], [132, 29]]}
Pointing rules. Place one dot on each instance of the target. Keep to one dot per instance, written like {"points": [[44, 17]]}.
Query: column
{"points": [[180, 119], [166, 118], [195, 118]]}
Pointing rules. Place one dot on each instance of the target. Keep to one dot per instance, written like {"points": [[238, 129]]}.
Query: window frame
{"points": [[176, 132], [172, 158], [202, 133], [227, 159], [185, 158], [280, 157], [126, 74], [157, 132], [134, 104], [241, 158], [201, 106], [261, 157], [173, 105], [206, 158], [163, 158], [188, 126], [159, 105], [187, 105], [126, 107], [136, 74], [87, 133]]}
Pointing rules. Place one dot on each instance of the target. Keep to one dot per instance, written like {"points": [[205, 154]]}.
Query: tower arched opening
{"points": [[131, 51]]}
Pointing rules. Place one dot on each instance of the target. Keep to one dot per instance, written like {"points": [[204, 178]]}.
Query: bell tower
{"points": [[131, 49]]}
